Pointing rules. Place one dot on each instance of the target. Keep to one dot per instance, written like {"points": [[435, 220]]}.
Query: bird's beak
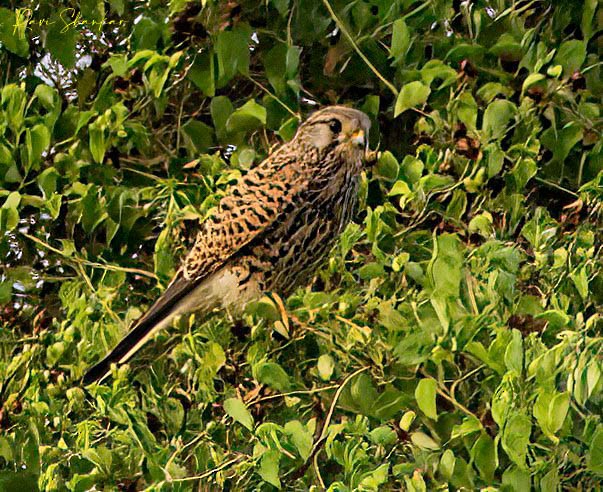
{"points": [[358, 138]]}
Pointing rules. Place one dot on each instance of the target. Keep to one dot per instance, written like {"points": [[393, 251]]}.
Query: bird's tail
{"points": [[181, 296]]}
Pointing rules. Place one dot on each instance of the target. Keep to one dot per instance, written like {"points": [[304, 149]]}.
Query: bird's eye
{"points": [[335, 126]]}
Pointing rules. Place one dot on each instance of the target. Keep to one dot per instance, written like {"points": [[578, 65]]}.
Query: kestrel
{"points": [[270, 232]]}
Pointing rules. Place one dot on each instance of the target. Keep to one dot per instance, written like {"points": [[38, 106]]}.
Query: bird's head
{"points": [[336, 129]]}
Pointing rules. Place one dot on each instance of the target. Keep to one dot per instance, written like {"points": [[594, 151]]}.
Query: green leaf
{"points": [[594, 459], [550, 482], [9, 215], [164, 257], [561, 142], [383, 436], [325, 367], [6, 294], [55, 352], [275, 64], [407, 420], [232, 51], [145, 34], [588, 17], [515, 438], [580, 280], [507, 48], [53, 205], [466, 110], [462, 51], [570, 55], [118, 64], [93, 10], [484, 456], [514, 353], [37, 140], [13, 200], [433, 182], [497, 116], [411, 96], [467, 427], [524, 170], [387, 166], [47, 181], [173, 414], [425, 393], [400, 188], [292, 61], [47, 96], [269, 467], [414, 348], [445, 267], [557, 411], [371, 270], [481, 224], [61, 41], [92, 210], [198, 136], [14, 101], [517, 479], [273, 375], [490, 90], [374, 479], [21, 480], [301, 438], [237, 410], [458, 204], [400, 41], [202, 74], [390, 403], [13, 34], [265, 308], [447, 462], [412, 169], [287, 130], [98, 140], [423, 441], [364, 393], [221, 108], [532, 79], [438, 70], [248, 117]]}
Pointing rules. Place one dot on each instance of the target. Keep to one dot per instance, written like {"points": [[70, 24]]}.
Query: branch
{"points": [[323, 434], [347, 34]]}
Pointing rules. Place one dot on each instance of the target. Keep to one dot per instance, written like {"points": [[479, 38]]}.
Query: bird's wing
{"points": [[253, 205], [257, 202]]}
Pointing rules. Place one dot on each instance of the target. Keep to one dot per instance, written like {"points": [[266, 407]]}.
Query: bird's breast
{"points": [[294, 248]]}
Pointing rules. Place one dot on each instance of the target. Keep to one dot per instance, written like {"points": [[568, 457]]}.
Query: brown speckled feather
{"points": [[271, 230], [259, 199]]}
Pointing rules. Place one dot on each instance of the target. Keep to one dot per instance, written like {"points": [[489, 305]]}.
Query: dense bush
{"points": [[453, 338]]}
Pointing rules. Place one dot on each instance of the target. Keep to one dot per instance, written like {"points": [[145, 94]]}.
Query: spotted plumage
{"points": [[270, 231]]}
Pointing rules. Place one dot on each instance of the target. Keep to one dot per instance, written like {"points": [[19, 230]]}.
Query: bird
{"points": [[269, 233]]}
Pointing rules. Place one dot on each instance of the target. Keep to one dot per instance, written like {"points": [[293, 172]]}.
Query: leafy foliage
{"points": [[453, 339]]}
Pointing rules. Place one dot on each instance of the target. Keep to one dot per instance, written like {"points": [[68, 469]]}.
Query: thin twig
{"points": [[208, 473], [555, 185], [294, 393], [347, 34], [443, 392], [277, 99], [92, 264], [323, 434]]}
